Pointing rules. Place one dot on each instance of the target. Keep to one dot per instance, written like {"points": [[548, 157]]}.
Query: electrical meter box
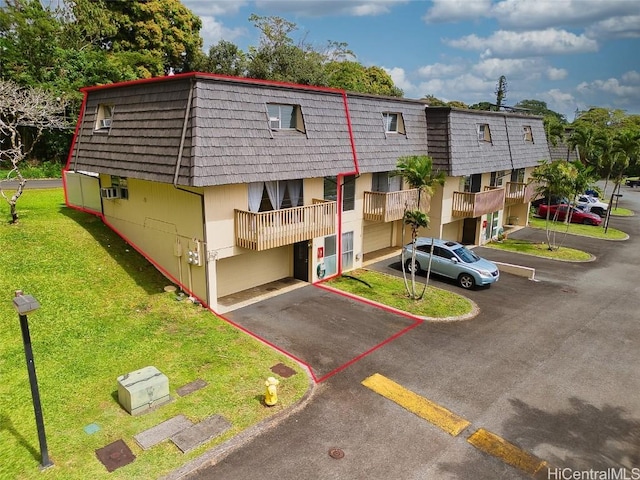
{"points": [[142, 390]]}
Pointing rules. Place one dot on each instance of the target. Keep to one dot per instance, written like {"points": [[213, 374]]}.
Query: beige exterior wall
{"points": [[165, 223], [252, 269], [377, 235], [83, 191]]}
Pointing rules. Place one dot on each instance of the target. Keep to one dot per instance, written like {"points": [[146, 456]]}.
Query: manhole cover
{"points": [[336, 453], [115, 455]]}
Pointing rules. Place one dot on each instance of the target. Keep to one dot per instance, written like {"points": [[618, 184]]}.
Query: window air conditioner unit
{"points": [[109, 193], [105, 123]]}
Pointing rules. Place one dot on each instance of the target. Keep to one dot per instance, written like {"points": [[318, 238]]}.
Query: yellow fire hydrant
{"points": [[271, 395]]}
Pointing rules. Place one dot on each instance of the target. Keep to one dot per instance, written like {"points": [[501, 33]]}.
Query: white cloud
{"points": [[441, 70], [540, 14], [213, 31], [556, 73], [503, 43], [399, 77], [561, 102], [457, 10], [616, 27], [631, 77], [319, 8], [517, 67]]}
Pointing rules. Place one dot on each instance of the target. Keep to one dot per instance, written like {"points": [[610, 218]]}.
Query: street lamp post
{"points": [[26, 304]]}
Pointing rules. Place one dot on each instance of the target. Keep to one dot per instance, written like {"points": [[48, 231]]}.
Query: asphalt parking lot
{"points": [[548, 366]]}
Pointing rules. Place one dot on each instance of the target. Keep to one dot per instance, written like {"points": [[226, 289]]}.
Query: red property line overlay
{"points": [[356, 171]]}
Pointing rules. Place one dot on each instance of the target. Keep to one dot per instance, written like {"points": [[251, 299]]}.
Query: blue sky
{"points": [[568, 53]]}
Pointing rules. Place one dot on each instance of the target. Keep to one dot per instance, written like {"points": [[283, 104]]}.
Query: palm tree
{"points": [[417, 172], [602, 143], [556, 178], [582, 138], [626, 145]]}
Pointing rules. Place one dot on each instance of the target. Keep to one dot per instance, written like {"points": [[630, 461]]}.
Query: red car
{"points": [[577, 215]]}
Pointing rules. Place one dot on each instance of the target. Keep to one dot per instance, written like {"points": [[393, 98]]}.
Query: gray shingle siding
{"points": [[378, 151], [145, 133], [453, 138], [234, 144]]}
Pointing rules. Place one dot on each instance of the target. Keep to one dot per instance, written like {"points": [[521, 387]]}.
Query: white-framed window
{"points": [[347, 250], [497, 178], [393, 122], [330, 263], [386, 182], [484, 133], [104, 117], [285, 117], [527, 134], [121, 185]]}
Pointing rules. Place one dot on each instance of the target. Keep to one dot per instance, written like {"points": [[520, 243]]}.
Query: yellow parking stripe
{"points": [[507, 452], [432, 412]]}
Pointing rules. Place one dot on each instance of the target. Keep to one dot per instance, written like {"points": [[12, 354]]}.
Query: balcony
{"points": [[276, 228], [390, 206], [519, 192], [466, 204]]}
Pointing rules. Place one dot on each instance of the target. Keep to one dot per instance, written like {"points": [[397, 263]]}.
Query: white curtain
{"points": [[295, 189], [276, 194], [255, 195]]}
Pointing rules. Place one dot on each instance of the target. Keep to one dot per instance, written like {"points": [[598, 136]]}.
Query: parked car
{"points": [[632, 182], [453, 260], [577, 215], [591, 204], [555, 200]]}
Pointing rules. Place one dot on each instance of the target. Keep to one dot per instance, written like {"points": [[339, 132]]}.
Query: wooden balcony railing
{"points": [[519, 192], [390, 206], [264, 230], [467, 204]]}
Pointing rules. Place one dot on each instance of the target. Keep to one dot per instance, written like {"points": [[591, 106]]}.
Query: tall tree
{"points": [[278, 58], [538, 107], [501, 91], [24, 108], [555, 179], [165, 30], [417, 172], [355, 77], [225, 58]]}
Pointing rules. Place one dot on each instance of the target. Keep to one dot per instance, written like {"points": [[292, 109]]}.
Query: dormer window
{"points": [[393, 123], [527, 134], [484, 133], [285, 117], [104, 117]]}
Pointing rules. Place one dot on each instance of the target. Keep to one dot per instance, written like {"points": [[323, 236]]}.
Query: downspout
{"points": [[340, 178], [187, 111]]}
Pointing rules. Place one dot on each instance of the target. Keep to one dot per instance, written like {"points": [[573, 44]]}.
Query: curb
{"points": [[219, 452]]}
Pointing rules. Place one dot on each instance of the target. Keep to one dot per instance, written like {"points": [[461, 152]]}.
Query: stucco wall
{"points": [[156, 218]]}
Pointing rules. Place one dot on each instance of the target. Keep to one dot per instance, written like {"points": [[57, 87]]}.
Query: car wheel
{"points": [[466, 281], [598, 211], [409, 266], [587, 221]]}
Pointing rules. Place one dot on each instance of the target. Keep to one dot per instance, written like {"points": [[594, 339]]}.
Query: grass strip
{"points": [[390, 291]]}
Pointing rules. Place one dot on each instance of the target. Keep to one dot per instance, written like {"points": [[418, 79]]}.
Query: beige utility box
{"points": [[143, 389]]}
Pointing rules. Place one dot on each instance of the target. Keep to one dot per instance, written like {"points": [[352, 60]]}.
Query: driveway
{"points": [[322, 329], [549, 367]]}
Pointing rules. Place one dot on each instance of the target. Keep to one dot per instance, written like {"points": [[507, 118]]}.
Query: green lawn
{"points": [[104, 313], [579, 229], [621, 212], [540, 249], [390, 290]]}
